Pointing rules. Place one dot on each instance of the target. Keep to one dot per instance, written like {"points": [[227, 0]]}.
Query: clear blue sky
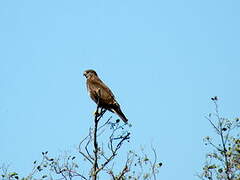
{"points": [[162, 59]]}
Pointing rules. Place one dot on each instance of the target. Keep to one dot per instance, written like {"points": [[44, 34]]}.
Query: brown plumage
{"points": [[102, 95]]}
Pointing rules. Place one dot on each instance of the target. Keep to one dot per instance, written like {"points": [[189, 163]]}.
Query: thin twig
{"points": [[95, 143], [114, 151], [154, 163]]}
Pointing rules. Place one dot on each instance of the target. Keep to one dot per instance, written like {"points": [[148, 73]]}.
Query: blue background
{"points": [[162, 59]]}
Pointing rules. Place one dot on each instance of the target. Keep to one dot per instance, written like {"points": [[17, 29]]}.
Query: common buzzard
{"points": [[102, 95]]}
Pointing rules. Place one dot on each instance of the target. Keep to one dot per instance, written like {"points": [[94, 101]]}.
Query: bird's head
{"points": [[89, 73]]}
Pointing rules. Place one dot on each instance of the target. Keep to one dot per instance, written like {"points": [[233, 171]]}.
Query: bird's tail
{"points": [[119, 112]]}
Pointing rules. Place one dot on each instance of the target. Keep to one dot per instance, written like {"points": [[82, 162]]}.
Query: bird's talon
{"points": [[95, 113]]}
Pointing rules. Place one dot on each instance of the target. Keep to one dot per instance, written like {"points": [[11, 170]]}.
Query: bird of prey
{"points": [[101, 94]]}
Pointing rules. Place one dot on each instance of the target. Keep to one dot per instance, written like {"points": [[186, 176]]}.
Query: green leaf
{"points": [[146, 159], [44, 176], [212, 166], [159, 164], [13, 174]]}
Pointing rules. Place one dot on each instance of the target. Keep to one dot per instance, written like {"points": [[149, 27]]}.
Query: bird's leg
{"points": [[99, 113], [102, 111], [96, 112]]}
